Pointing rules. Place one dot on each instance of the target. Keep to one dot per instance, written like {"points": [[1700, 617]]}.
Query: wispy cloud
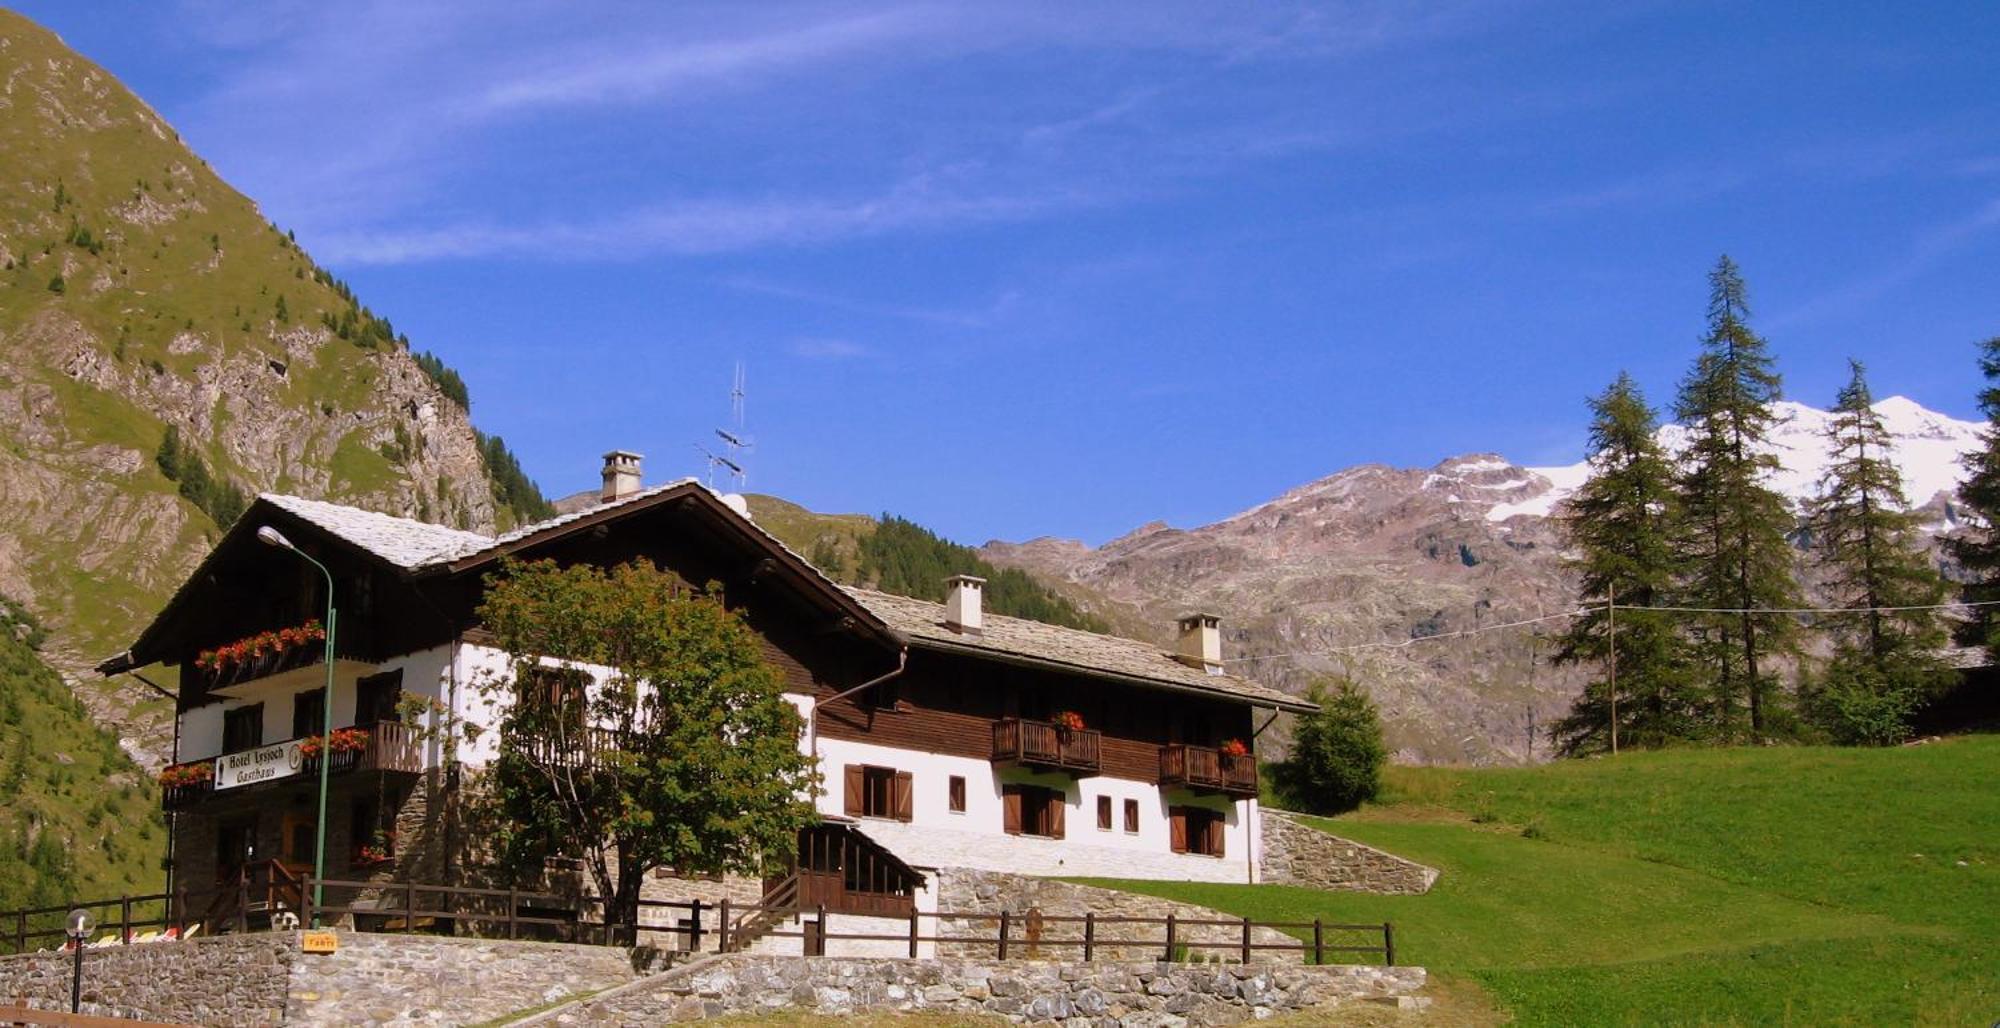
{"points": [[1653, 188], [973, 317], [1923, 253], [823, 349]]}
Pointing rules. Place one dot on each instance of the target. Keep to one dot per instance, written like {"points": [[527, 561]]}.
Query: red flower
{"points": [[1069, 719], [1235, 748]]}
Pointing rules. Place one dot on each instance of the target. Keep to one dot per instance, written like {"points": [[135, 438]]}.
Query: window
{"points": [[368, 841], [876, 792], [308, 713], [243, 728], [558, 692], [376, 697], [1195, 830], [957, 796], [1132, 817], [1104, 813], [1032, 810]]}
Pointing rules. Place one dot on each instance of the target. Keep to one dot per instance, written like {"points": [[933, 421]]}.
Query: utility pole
{"points": [[1611, 620]]}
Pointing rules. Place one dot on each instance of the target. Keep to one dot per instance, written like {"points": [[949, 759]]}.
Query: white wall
{"points": [[425, 673]]}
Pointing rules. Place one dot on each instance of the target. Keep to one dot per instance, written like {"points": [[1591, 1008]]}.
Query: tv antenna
{"points": [[735, 440]]}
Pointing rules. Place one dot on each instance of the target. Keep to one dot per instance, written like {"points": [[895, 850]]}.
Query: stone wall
{"points": [[1297, 854], [234, 980], [989, 892], [1099, 994]]}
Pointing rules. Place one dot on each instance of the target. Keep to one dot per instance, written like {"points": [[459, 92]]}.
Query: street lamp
{"points": [[272, 537], [78, 929]]}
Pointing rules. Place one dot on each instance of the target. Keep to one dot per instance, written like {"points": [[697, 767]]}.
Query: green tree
{"points": [[1978, 549], [1866, 541], [684, 754], [1337, 752], [1735, 550], [1620, 528], [56, 285], [905, 558]]}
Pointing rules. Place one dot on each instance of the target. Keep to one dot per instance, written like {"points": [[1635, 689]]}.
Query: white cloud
{"points": [[821, 349]]}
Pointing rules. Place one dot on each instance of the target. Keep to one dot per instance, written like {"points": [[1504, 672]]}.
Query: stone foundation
{"points": [[1153, 994], [1298, 854]]}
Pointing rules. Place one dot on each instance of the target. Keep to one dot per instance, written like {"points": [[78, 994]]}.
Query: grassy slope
{"points": [[1802, 886]]}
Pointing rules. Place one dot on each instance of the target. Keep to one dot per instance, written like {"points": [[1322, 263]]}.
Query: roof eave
{"points": [[1025, 660]]}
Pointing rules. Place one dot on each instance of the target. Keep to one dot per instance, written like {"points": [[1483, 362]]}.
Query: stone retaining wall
{"points": [[989, 892], [232, 980], [1153, 994], [1297, 854]]}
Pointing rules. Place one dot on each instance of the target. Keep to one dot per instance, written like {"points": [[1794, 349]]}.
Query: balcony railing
{"points": [[569, 748], [391, 746], [1206, 769], [1040, 745]]}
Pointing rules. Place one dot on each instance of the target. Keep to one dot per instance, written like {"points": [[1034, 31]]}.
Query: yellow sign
{"points": [[319, 942]]}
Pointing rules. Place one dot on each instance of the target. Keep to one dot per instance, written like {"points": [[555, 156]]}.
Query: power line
{"points": [[1581, 611]]}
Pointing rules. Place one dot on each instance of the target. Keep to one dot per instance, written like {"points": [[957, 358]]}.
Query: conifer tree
{"points": [[1734, 551], [1978, 550], [1884, 660], [1620, 525]]}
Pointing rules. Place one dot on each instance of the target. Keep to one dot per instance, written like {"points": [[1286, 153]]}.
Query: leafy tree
{"points": [[1978, 549], [1337, 753], [905, 558], [1865, 538], [1735, 549], [684, 754], [1620, 526]]}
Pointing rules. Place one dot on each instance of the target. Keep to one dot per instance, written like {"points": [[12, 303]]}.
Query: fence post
{"points": [[21, 932], [694, 926], [819, 913], [1089, 935], [722, 926], [1169, 958], [913, 935], [1319, 942], [243, 906], [180, 912], [306, 903], [409, 907], [1388, 944], [1246, 940], [513, 908], [1003, 935], [124, 920]]}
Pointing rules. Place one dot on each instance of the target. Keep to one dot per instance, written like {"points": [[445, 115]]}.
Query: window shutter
{"points": [[1010, 809], [1215, 827], [854, 783], [904, 803], [1177, 829], [1056, 809]]}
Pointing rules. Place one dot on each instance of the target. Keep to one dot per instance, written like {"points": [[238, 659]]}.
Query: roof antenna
{"points": [[735, 440]]}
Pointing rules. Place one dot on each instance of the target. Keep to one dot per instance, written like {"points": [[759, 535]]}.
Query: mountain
{"points": [[1353, 572], [164, 352]]}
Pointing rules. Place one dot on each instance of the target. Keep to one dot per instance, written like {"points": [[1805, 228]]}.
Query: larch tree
{"points": [[1735, 552], [1978, 549], [1620, 526], [1866, 540], [641, 727]]}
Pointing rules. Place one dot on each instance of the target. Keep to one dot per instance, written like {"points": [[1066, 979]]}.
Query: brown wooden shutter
{"points": [[1177, 829], [1010, 809], [1056, 809], [1215, 829], [904, 804], [854, 782]]}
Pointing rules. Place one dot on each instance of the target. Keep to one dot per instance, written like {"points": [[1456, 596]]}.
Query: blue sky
{"points": [[1023, 269]]}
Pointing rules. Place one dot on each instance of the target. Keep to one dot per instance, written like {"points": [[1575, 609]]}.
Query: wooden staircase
{"points": [[779, 905], [250, 899]]}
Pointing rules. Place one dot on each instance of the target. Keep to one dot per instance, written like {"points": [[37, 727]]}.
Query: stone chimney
{"points": [[962, 612], [1200, 642], [621, 475]]}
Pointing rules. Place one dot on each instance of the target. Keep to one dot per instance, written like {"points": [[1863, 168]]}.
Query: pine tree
{"points": [[1734, 550], [1337, 752], [1620, 524], [1978, 550], [1884, 661]]}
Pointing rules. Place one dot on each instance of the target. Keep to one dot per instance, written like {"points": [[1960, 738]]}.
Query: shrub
{"points": [[1337, 753]]}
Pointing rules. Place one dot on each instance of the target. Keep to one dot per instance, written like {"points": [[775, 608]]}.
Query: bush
{"points": [[1854, 706], [1337, 753]]}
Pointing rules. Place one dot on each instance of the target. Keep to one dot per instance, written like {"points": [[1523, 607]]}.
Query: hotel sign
{"points": [[263, 764]]}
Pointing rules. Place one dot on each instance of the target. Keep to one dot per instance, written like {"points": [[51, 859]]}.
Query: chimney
{"points": [[961, 604], [621, 475], [1200, 643]]}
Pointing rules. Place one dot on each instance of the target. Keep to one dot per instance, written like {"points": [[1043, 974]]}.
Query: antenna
{"points": [[735, 441]]}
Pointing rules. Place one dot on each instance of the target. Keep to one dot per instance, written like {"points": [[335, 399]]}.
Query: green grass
{"points": [[1779, 886]]}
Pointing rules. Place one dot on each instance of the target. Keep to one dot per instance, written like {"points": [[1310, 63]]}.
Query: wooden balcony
{"points": [[1207, 769], [571, 748], [392, 747], [1038, 745]]}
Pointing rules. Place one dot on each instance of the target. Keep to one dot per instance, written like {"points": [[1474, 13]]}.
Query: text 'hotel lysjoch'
{"points": [[984, 742]]}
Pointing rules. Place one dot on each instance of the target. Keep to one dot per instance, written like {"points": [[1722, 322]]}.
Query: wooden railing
{"points": [[1205, 767], [391, 746], [573, 747], [1043, 745]]}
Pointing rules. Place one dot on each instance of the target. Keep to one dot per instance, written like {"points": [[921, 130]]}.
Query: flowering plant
{"points": [[199, 773], [1234, 748], [254, 646], [371, 853], [345, 740], [1069, 719]]}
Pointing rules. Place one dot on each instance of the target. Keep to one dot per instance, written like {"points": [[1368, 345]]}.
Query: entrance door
{"points": [[235, 847], [299, 837]]}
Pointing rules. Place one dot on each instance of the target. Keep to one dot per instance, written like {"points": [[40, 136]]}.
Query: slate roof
{"points": [[400, 541], [1072, 649]]}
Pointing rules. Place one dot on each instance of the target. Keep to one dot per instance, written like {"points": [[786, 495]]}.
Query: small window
{"points": [[877, 792], [1195, 830], [1132, 817], [243, 728], [1032, 810], [377, 696], [308, 713], [957, 796], [1104, 813]]}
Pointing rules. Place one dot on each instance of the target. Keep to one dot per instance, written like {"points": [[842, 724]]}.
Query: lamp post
{"points": [[78, 929], [272, 537]]}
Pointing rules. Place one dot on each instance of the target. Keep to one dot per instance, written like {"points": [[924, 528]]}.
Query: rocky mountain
{"points": [[1358, 573], [142, 298]]}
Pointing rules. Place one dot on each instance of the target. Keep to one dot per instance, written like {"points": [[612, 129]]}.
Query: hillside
{"points": [[1774, 886], [142, 298], [1351, 573]]}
